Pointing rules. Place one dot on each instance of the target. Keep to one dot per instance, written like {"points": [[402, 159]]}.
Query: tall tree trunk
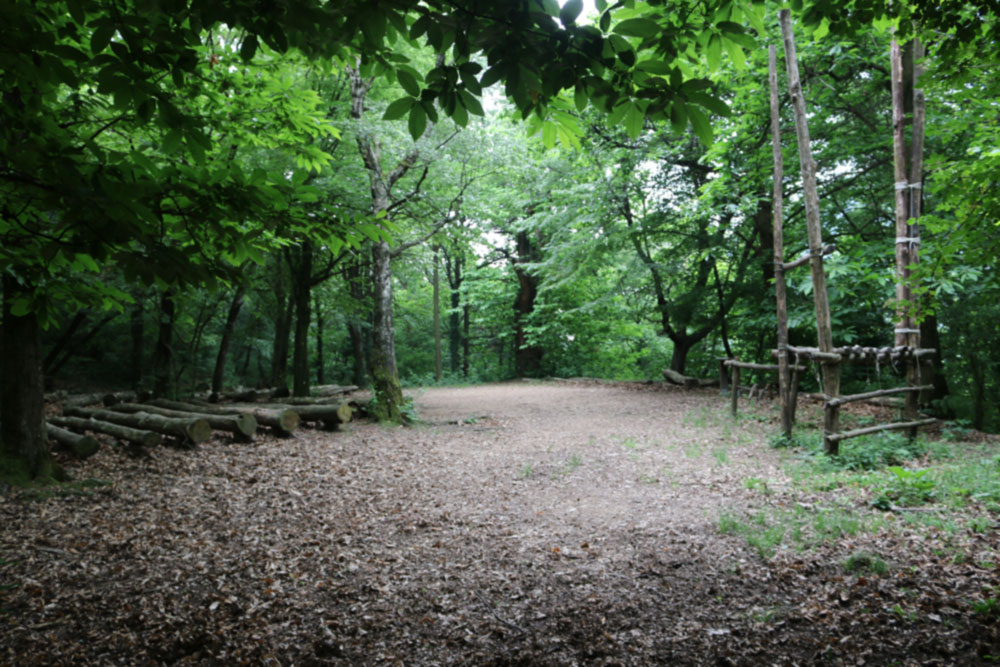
{"points": [[831, 372], [279, 348], [163, 352], [436, 284], [302, 293], [527, 358], [356, 275], [22, 402], [931, 338], [453, 265], [320, 363], [382, 358], [136, 331], [219, 373], [778, 252], [466, 340]]}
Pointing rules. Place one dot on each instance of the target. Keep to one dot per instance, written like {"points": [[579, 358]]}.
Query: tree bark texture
{"points": [[163, 351], [243, 426], [136, 436], [81, 446], [831, 372], [778, 246], [282, 330], [219, 373], [527, 358], [320, 362], [22, 392], [436, 285], [192, 430], [301, 265]]}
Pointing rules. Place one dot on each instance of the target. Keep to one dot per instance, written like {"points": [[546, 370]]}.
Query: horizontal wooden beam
{"points": [[814, 353], [759, 367], [840, 400], [837, 437], [788, 266]]}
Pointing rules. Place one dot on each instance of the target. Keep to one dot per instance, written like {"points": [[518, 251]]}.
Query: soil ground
{"points": [[519, 523]]}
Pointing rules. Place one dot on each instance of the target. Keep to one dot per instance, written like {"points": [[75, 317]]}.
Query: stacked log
{"points": [[135, 436], [80, 445], [243, 426], [331, 415], [282, 421], [193, 431]]}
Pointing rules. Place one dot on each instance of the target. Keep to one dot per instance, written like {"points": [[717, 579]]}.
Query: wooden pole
{"points": [[735, 391], [780, 293], [831, 371]]}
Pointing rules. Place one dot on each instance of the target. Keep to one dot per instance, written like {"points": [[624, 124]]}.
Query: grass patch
{"points": [[861, 562]]}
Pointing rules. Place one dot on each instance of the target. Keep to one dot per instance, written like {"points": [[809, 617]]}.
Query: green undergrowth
{"points": [[879, 482]]}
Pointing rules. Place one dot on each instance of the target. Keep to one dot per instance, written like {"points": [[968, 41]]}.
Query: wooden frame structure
{"points": [[906, 350]]}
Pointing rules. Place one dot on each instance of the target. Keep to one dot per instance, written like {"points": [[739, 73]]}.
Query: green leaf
{"points": [[616, 115], [580, 98], [634, 119], [418, 121], [248, 48], [702, 126], [678, 116], [398, 109], [570, 11], [735, 54], [471, 102], [713, 104], [408, 82], [460, 115], [491, 76], [638, 27], [713, 52], [655, 66], [101, 37], [549, 135], [172, 141], [605, 22], [601, 5]]}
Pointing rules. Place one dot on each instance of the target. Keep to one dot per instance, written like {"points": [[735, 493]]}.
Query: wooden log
{"points": [[315, 400], [283, 421], [140, 437], [193, 431], [815, 353], [80, 445], [734, 392], [674, 377], [77, 400], [759, 367], [874, 394], [331, 415], [243, 426], [326, 390], [827, 250], [837, 437]]}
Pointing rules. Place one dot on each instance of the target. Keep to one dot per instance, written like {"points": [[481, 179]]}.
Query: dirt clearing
{"points": [[521, 523]]}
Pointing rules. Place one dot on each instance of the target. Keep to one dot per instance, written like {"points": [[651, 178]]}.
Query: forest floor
{"points": [[521, 523]]}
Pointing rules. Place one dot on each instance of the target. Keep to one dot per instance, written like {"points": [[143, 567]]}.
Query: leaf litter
{"points": [[520, 523]]}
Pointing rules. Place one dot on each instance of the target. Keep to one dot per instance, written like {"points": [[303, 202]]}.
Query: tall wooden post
{"points": [[780, 293], [908, 173], [831, 370]]}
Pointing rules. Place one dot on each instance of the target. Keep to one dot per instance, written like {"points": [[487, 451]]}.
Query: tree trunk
{"points": [[218, 375], [320, 363], [465, 340], [931, 338], [243, 426], [385, 378], [282, 329], [81, 446], [453, 271], [163, 351], [195, 431], [527, 358], [331, 415], [136, 332], [831, 371], [142, 438], [22, 402], [301, 269], [436, 284], [355, 275], [778, 251]]}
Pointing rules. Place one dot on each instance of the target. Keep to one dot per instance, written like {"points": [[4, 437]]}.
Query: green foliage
{"points": [[861, 562]]}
